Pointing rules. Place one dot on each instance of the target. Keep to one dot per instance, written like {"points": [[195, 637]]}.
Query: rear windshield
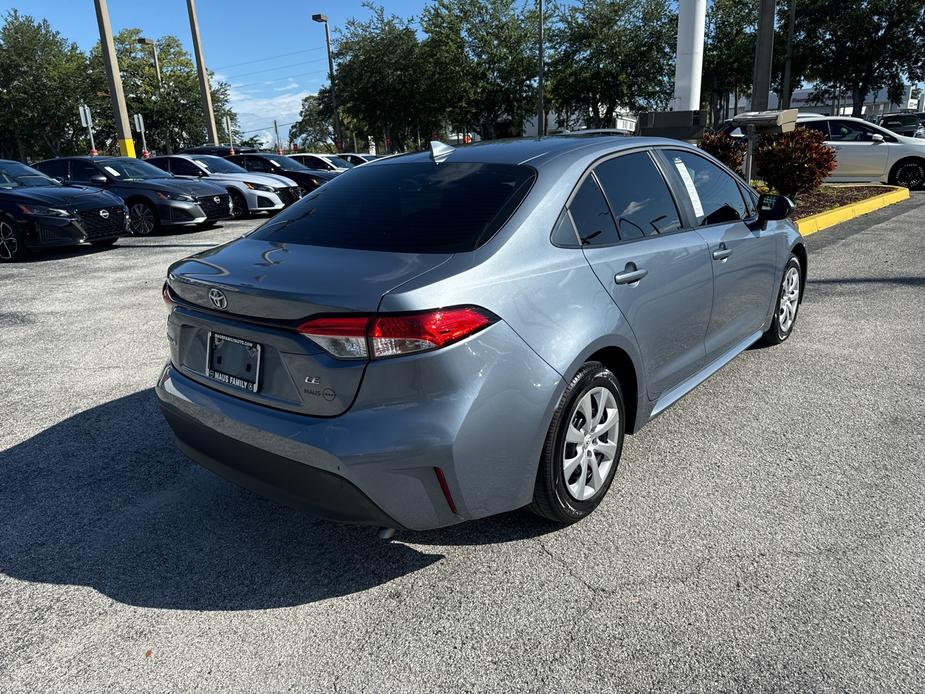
{"points": [[417, 207]]}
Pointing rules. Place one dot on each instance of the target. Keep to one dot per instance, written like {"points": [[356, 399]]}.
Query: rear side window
{"points": [[638, 195], [592, 216], [714, 194], [418, 207]]}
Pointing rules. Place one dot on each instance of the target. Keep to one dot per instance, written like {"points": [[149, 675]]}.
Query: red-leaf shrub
{"points": [[729, 150], [794, 162]]}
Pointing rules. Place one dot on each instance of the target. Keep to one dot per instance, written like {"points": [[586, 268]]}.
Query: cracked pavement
{"points": [[765, 534]]}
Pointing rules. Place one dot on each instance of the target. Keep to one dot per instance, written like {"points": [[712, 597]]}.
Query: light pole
{"points": [[119, 112], [204, 90], [323, 19], [142, 41], [540, 109]]}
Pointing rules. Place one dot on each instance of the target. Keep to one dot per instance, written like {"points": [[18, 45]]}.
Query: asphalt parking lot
{"points": [[766, 534]]}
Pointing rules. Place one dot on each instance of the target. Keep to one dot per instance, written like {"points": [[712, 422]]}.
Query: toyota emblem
{"points": [[104, 214], [218, 299], [217, 199]]}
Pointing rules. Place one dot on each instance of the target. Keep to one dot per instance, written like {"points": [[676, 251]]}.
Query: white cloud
{"points": [[258, 112], [288, 87]]}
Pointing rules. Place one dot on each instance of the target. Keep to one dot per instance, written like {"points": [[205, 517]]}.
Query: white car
{"points": [[322, 162], [356, 158], [250, 192], [868, 152]]}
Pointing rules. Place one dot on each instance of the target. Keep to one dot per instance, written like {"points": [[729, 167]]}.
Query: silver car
{"points": [[444, 336], [250, 192]]}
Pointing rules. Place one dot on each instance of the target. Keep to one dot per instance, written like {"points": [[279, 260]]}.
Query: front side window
{"points": [[184, 167], [406, 208], [638, 195], [847, 131], [714, 194], [82, 170], [592, 216]]}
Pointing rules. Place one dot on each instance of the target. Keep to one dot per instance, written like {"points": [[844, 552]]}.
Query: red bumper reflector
{"points": [[446, 489]]}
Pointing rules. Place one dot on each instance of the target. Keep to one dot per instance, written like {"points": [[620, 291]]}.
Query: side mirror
{"points": [[773, 207], [98, 180], [876, 138]]}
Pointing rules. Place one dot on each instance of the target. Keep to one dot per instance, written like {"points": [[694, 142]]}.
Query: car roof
{"points": [[537, 151]]}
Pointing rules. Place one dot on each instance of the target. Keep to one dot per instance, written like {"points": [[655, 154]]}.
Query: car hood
{"points": [[265, 179], [174, 185], [68, 196]]}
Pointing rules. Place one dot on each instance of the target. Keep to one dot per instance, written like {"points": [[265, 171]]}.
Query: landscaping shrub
{"points": [[729, 150], [794, 162]]}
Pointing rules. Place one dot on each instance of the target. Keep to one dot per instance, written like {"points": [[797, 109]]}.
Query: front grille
{"points": [[213, 209], [289, 195], [95, 225]]}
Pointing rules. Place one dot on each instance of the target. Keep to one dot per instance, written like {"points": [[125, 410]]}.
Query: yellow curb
{"points": [[824, 220]]}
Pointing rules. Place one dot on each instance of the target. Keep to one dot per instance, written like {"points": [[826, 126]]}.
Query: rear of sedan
{"points": [[286, 377]]}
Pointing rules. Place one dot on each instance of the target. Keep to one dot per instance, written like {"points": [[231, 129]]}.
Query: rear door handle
{"points": [[630, 275], [721, 253]]}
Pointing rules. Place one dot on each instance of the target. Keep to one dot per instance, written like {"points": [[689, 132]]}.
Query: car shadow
{"points": [[104, 499]]}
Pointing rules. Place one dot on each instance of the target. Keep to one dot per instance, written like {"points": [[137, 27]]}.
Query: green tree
{"points": [[609, 55], [173, 113], [42, 76], [315, 128], [729, 53], [862, 46]]}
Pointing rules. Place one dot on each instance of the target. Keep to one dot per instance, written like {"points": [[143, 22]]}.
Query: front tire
{"points": [[238, 205], [12, 243], [909, 173], [142, 219], [582, 448], [788, 303]]}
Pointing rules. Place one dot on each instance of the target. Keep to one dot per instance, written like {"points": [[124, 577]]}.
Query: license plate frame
{"points": [[230, 379]]}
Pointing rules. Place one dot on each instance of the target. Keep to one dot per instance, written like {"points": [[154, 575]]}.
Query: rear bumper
{"points": [[274, 476], [477, 410]]}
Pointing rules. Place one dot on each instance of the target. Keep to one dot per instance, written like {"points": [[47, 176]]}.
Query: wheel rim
{"points": [[789, 299], [141, 219], [237, 206], [9, 244], [910, 175], [590, 443]]}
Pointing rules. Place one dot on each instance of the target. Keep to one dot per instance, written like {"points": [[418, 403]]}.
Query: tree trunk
{"points": [[857, 101]]}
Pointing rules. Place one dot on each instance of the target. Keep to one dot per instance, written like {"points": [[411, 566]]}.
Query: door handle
{"points": [[722, 252], [630, 274]]}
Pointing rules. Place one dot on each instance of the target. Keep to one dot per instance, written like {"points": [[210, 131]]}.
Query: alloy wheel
{"points": [[590, 443], [238, 206], [141, 219], [911, 175], [9, 244], [789, 299]]}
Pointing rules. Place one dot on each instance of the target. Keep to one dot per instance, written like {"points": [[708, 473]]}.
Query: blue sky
{"points": [[269, 50]]}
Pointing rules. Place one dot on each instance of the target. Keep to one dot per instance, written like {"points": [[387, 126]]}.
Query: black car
{"points": [[154, 197], [263, 162], [39, 212], [218, 150]]}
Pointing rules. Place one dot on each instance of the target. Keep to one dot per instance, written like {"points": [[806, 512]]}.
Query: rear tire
{"points": [[582, 448], [789, 296], [143, 219], [12, 243], [909, 173]]}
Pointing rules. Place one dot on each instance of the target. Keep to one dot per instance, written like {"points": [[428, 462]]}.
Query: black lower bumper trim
{"points": [[276, 477]]}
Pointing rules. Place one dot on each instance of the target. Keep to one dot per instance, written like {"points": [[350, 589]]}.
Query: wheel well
{"points": [[800, 252], [129, 201], [622, 367]]}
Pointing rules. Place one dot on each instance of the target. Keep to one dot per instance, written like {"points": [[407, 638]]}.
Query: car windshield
{"points": [[218, 165], [132, 169], [16, 175], [286, 163], [338, 162], [406, 208]]}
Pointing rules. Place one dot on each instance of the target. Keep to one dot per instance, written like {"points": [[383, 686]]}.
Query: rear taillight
{"points": [[166, 296], [390, 335]]}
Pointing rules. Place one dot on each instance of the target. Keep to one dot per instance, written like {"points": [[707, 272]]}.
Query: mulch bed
{"points": [[829, 197]]}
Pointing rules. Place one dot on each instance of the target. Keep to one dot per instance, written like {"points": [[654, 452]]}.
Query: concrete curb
{"points": [[824, 220]]}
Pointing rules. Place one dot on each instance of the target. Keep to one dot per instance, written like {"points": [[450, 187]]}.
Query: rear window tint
{"points": [[417, 207]]}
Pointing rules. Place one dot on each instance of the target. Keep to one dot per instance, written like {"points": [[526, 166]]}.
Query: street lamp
{"points": [[142, 41], [323, 19]]}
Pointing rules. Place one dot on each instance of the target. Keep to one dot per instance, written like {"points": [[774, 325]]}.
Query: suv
{"points": [[154, 197], [908, 124]]}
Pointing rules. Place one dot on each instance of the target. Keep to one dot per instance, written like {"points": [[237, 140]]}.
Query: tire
{"points": [[567, 498], [103, 242], [143, 219], [238, 205], [789, 296], [12, 244], [909, 173]]}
